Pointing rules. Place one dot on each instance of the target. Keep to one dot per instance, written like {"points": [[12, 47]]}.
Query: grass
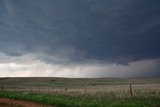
{"points": [[83, 100], [70, 92], [70, 82]]}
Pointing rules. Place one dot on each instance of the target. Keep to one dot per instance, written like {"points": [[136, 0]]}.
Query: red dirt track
{"points": [[19, 103]]}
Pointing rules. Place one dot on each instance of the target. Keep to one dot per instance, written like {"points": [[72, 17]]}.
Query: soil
{"points": [[19, 103]]}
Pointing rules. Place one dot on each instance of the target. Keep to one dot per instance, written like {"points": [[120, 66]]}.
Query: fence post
{"points": [[31, 88], [53, 88], [2, 87], [85, 86], [130, 87]]}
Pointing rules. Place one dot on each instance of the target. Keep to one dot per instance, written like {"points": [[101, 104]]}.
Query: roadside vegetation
{"points": [[109, 100], [88, 93]]}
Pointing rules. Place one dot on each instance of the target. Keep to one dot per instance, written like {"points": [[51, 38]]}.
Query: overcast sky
{"points": [[80, 38]]}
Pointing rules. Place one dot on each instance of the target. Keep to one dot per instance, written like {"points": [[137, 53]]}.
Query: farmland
{"points": [[71, 92]]}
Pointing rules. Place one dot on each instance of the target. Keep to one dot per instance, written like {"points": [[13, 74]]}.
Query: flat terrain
{"points": [[67, 85], [88, 92]]}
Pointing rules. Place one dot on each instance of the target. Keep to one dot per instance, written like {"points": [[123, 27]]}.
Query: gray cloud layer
{"points": [[31, 65], [106, 36]]}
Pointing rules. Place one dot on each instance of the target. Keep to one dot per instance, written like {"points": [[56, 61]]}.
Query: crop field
{"points": [[71, 92]]}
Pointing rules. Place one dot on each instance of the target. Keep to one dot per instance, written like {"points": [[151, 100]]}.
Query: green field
{"points": [[65, 92]]}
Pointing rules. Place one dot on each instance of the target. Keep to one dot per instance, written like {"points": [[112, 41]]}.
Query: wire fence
{"points": [[119, 90]]}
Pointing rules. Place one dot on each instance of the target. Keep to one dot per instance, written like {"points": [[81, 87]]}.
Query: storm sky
{"points": [[80, 38]]}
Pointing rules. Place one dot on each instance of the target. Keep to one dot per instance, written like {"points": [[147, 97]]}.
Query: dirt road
{"points": [[19, 103]]}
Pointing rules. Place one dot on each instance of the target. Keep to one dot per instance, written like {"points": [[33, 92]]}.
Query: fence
{"points": [[119, 90]]}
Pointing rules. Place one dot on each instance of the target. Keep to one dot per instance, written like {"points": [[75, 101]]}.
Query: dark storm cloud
{"points": [[103, 29], [81, 31]]}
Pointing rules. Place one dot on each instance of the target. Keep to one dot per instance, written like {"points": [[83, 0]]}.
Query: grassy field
{"points": [[65, 92]]}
